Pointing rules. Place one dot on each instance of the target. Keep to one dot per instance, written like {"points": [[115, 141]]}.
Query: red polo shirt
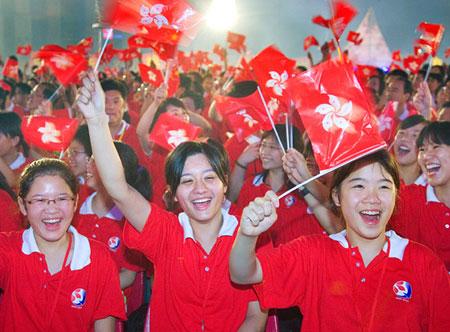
{"points": [[421, 217], [108, 230], [192, 289], [127, 134], [89, 289], [407, 289], [10, 217], [155, 164], [294, 217]]}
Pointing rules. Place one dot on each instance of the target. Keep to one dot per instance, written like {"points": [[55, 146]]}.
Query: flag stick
{"points": [[103, 50], [270, 119], [429, 68], [61, 154], [168, 70], [303, 183], [287, 132], [50, 99]]}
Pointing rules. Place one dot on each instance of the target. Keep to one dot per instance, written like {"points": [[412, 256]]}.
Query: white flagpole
{"points": [[287, 132], [108, 37]]}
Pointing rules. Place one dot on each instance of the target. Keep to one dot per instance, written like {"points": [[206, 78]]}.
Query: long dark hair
{"points": [[10, 126]]}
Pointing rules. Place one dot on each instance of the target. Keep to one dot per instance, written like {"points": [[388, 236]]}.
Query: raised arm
{"points": [[256, 218], [91, 102]]}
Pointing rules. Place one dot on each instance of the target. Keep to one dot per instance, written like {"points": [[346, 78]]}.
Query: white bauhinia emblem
{"points": [[413, 65], [335, 114], [186, 14], [384, 123], [273, 105], [277, 82], [151, 76], [61, 61], [49, 133], [139, 41], [176, 137], [247, 118], [153, 15]]}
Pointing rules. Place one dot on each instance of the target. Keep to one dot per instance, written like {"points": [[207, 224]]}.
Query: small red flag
{"points": [[11, 69], [165, 51], [413, 63], [431, 36], [343, 14], [66, 66], [396, 56], [354, 37], [151, 75], [220, 52], [49, 133], [24, 50], [236, 41], [310, 41], [336, 113], [170, 131], [447, 52]]}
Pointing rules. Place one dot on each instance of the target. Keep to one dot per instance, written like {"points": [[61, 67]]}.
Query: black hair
{"points": [[437, 132], [162, 108], [135, 175], [82, 136], [398, 73], [24, 88], [110, 84], [48, 89], [5, 186], [382, 157], [411, 121], [10, 126], [213, 151], [197, 98], [46, 166]]}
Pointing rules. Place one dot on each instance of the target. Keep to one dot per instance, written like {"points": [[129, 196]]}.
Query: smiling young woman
{"points": [[192, 290], [361, 279], [54, 278]]}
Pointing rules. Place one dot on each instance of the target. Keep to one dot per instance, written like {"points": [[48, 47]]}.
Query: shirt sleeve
{"points": [[286, 270], [160, 225]]}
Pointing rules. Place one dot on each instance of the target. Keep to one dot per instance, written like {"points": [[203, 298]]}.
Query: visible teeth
{"points": [[52, 221], [371, 213], [432, 166], [200, 201], [404, 148]]}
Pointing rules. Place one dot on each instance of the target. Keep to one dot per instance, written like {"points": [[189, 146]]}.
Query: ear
{"points": [[75, 202], [16, 140], [335, 197], [22, 207]]}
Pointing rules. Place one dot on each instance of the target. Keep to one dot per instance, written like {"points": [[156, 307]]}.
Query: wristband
{"points": [[304, 191], [240, 165]]}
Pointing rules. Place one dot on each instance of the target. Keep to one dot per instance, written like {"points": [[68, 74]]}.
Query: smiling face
{"points": [[92, 177], [114, 107], [179, 112], [405, 147], [77, 158], [200, 192], [270, 153], [367, 200], [434, 160], [49, 220]]}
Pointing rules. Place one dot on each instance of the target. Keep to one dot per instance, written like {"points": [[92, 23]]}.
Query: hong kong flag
{"points": [[173, 82], [170, 131], [236, 41], [165, 51], [431, 36], [67, 66], [272, 70], [343, 14], [134, 16], [151, 75], [24, 49], [49, 133], [336, 113], [364, 72], [310, 41], [447, 52], [139, 40], [396, 56], [413, 63], [11, 69], [220, 52], [354, 37]]}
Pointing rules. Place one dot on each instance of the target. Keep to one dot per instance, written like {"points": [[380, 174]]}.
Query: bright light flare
{"points": [[222, 14]]}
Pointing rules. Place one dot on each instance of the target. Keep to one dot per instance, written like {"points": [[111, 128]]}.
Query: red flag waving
{"points": [[165, 51], [49, 133], [413, 63], [396, 56], [354, 37], [364, 72], [272, 70], [67, 66], [236, 41], [447, 52], [170, 131], [220, 52], [133, 16], [151, 75], [24, 49], [431, 36], [140, 40], [310, 41], [336, 114], [11, 69], [343, 14]]}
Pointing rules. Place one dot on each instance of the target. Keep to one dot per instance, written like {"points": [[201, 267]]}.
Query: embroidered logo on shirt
{"points": [[114, 243], [78, 297], [402, 290], [289, 200]]}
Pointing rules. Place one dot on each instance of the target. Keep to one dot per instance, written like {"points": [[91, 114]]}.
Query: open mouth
{"points": [[432, 168], [202, 203], [51, 224], [370, 216], [403, 150]]}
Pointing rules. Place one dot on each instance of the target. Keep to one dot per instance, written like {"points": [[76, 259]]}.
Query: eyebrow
{"points": [[365, 180], [205, 171]]}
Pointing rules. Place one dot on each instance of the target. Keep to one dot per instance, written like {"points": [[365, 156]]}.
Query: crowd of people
{"points": [[366, 247]]}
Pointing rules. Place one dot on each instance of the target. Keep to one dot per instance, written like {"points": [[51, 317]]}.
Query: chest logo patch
{"points": [[289, 200], [78, 297], [113, 242], [402, 290]]}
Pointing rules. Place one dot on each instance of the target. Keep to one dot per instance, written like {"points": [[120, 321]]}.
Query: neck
{"points": [[443, 194], [206, 233], [115, 128], [52, 248], [275, 179], [102, 203], [409, 173], [10, 157], [369, 248]]}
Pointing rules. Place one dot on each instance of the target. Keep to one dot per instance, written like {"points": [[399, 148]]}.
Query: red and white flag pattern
{"points": [[151, 75]]}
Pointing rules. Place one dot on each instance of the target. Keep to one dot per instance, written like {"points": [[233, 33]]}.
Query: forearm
{"points": [[244, 266], [255, 319], [126, 278], [200, 121], [105, 325], [328, 220]]}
